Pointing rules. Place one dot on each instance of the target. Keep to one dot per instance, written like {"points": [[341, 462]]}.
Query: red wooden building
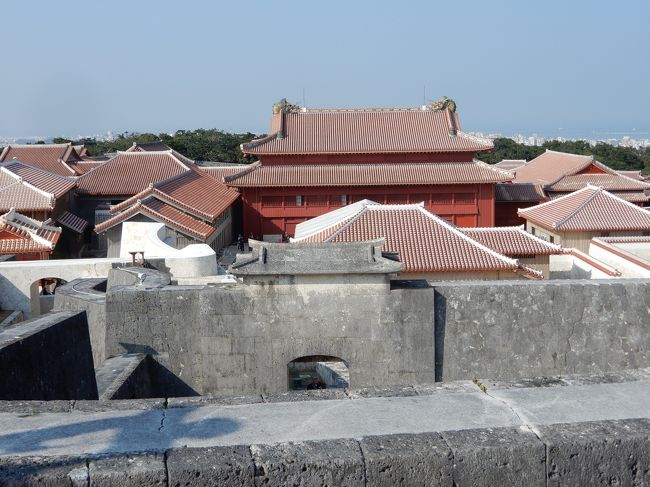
{"points": [[316, 160]]}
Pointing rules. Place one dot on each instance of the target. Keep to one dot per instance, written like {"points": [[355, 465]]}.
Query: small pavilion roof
{"points": [[55, 158], [128, 173], [424, 242], [27, 235], [512, 241], [588, 209]]}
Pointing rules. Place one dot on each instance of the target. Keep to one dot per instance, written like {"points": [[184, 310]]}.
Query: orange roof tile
{"points": [[162, 212], [424, 242], [29, 235], [128, 173], [633, 174], [631, 196], [512, 241], [257, 175], [44, 180], [19, 194], [551, 166], [55, 158], [361, 131], [194, 192], [510, 164], [610, 182], [156, 146], [588, 209]]}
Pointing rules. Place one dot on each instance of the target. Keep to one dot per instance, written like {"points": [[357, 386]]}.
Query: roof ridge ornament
{"points": [[443, 103], [283, 106]]}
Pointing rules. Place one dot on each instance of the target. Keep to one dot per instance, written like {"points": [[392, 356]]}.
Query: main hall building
{"points": [[316, 160]]}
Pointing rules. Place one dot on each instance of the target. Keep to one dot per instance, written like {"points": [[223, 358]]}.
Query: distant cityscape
{"points": [[538, 140], [622, 140]]}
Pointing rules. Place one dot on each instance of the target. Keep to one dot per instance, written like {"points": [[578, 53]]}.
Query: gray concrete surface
{"points": [[79, 432]]}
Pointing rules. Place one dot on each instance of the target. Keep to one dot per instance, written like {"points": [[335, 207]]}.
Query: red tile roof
{"points": [[86, 165], [588, 209], [55, 158], [223, 170], [162, 212], [362, 131], [19, 194], [551, 166], [424, 242], [194, 192], [510, 164], [44, 180], [128, 173], [519, 192], [633, 174], [28, 235], [156, 146], [512, 241], [258, 175], [631, 196], [73, 222], [624, 240], [610, 182]]}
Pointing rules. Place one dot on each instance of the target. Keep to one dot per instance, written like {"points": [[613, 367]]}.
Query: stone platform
{"points": [[554, 431]]}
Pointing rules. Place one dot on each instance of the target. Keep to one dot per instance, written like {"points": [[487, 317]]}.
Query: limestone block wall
{"points": [[47, 358], [84, 295], [509, 330], [239, 339]]}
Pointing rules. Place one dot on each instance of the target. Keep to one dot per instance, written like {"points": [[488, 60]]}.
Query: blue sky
{"points": [[83, 67]]}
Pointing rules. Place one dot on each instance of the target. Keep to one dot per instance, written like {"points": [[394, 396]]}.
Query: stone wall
{"points": [[593, 453], [87, 295], [513, 330], [47, 358], [239, 339]]}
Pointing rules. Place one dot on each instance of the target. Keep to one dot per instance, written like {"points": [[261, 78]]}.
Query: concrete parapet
{"points": [[211, 466], [598, 453], [408, 459], [497, 456], [595, 453], [143, 470], [332, 462]]}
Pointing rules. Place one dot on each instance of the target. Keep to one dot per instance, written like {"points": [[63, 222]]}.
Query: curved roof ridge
{"points": [[395, 206], [591, 157], [546, 203], [349, 221], [66, 144], [458, 232], [493, 167], [596, 191]]}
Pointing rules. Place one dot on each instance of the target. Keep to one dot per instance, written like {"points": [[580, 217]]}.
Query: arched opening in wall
{"points": [[42, 293], [317, 372]]}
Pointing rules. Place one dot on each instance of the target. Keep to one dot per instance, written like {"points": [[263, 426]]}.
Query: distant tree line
{"points": [[200, 145], [218, 146], [620, 158]]}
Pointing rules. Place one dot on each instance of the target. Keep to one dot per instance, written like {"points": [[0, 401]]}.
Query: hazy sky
{"points": [[84, 67]]}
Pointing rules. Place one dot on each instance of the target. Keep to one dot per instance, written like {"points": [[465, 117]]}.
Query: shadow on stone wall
{"points": [[440, 317]]}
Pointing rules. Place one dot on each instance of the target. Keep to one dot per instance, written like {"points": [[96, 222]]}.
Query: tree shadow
{"points": [[114, 432]]}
